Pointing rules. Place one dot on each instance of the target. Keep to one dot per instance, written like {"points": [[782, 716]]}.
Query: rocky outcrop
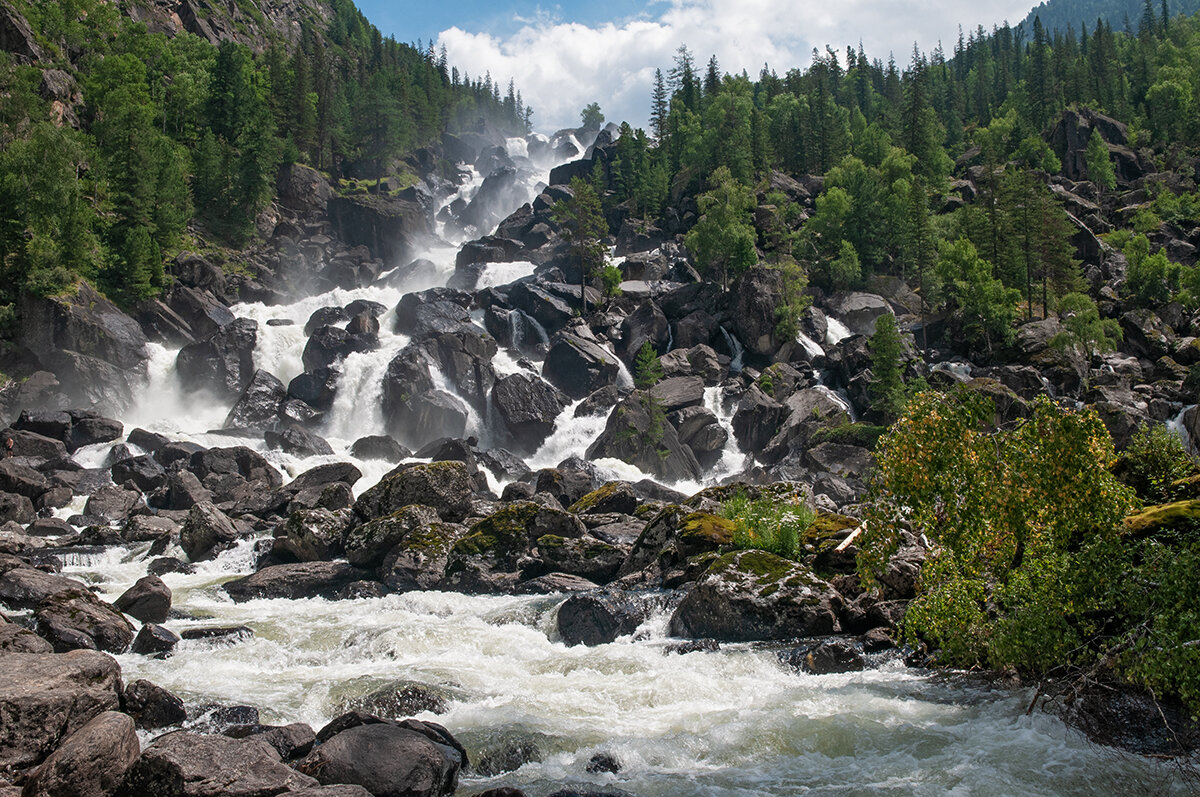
{"points": [[92, 762], [97, 352], [445, 486], [637, 432], [389, 227], [186, 764], [753, 595]]}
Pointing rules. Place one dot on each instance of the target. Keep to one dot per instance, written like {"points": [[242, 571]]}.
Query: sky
{"points": [[563, 56]]}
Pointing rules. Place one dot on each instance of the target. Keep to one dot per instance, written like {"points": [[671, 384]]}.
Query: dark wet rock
{"points": [[569, 482], [151, 706], [46, 697], [168, 564], [445, 486], [599, 402], [330, 345], [587, 557], [184, 491], [223, 363], [612, 497], [418, 561], [258, 406], [298, 441], [154, 640], [555, 583], [324, 317], [80, 620], [144, 471], [832, 656], [753, 595], [597, 618], [321, 475], [422, 417], [382, 447], [221, 635], [432, 313], [186, 764], [389, 760], [603, 762], [112, 503], [646, 324], [317, 388], [92, 761], [50, 527], [1126, 719], [148, 600], [579, 367], [206, 532], [290, 741], [21, 480], [507, 756], [367, 544], [313, 535], [238, 460], [295, 581], [16, 509], [97, 351], [635, 434], [529, 408], [679, 392]]}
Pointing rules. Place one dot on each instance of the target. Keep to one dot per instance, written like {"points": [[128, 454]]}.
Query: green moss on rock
{"points": [[1180, 516]]}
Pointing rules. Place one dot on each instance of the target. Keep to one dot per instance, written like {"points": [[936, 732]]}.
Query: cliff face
{"points": [[254, 23]]}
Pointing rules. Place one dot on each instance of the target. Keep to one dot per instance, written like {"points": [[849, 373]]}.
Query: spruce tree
{"points": [[887, 384]]}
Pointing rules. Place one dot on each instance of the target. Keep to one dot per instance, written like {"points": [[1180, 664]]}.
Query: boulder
{"points": [[418, 561], [330, 345], [491, 557], [148, 600], [186, 764], [223, 363], [646, 324], [825, 658], [17, 639], [238, 460], [144, 471], [91, 762], [298, 441], [45, 698], [859, 311], [112, 503], [600, 617], [679, 392], [206, 532], [586, 557], [423, 417], [366, 545], [154, 640], [382, 447], [758, 293], [290, 741], [258, 406], [321, 475], [312, 535], [327, 580], [445, 486], [638, 434], [21, 480], [579, 367], [80, 620], [529, 408], [389, 760], [610, 498], [184, 491], [97, 352], [431, 313], [203, 313], [755, 596], [317, 388], [16, 509], [390, 227]]}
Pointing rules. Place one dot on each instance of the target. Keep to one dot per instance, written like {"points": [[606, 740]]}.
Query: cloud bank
{"points": [[561, 66]]}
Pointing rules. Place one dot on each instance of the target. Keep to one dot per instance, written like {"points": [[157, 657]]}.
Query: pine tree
{"points": [[887, 384], [582, 220], [647, 368], [658, 108], [1099, 163]]}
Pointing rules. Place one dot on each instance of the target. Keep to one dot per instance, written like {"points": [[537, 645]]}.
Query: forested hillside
{"points": [[118, 145], [891, 146], [1064, 15]]}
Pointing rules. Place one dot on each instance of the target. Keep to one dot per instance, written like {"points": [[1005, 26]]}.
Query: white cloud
{"points": [[562, 66]]}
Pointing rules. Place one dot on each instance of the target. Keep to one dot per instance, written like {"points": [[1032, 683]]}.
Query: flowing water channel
{"points": [[729, 722]]}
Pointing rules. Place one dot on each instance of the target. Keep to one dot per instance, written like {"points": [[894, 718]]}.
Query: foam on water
{"points": [[835, 331]]}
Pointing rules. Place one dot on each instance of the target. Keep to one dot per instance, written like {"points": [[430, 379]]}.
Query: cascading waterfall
{"points": [[835, 331], [738, 351]]}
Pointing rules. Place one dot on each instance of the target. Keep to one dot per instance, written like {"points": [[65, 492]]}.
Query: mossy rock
{"points": [[1186, 489], [766, 571], [501, 535], [828, 531], [701, 532], [1180, 516], [612, 497]]}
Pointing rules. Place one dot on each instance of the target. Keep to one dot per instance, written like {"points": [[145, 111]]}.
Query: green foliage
{"points": [[985, 307], [647, 368], [1151, 279], [1007, 512], [1154, 459], [794, 301], [591, 117], [583, 226], [768, 523], [1099, 163], [1083, 329], [865, 435], [722, 241], [887, 386]]}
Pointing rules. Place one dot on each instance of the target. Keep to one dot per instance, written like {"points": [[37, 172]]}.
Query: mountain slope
{"points": [[1063, 15]]}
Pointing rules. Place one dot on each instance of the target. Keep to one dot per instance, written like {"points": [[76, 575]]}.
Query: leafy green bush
{"points": [[851, 434], [768, 523], [1154, 459]]}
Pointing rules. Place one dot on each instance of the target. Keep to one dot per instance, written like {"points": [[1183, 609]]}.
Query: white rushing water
{"points": [[731, 723]]}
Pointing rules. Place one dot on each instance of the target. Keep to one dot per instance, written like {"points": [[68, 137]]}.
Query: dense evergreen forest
{"points": [[888, 141], [1064, 15], [134, 140]]}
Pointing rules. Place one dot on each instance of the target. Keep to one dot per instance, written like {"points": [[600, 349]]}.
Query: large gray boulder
{"points": [[295, 581], [47, 697], [223, 363], [206, 532], [579, 367], [529, 408], [186, 764], [642, 436], [445, 486], [97, 352], [148, 600], [389, 760], [859, 311], [92, 761], [749, 596]]}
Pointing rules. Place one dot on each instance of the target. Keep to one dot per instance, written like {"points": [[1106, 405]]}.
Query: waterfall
{"points": [[737, 351], [835, 331]]}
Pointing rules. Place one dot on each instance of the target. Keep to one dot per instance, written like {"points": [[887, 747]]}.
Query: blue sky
{"points": [[564, 56]]}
